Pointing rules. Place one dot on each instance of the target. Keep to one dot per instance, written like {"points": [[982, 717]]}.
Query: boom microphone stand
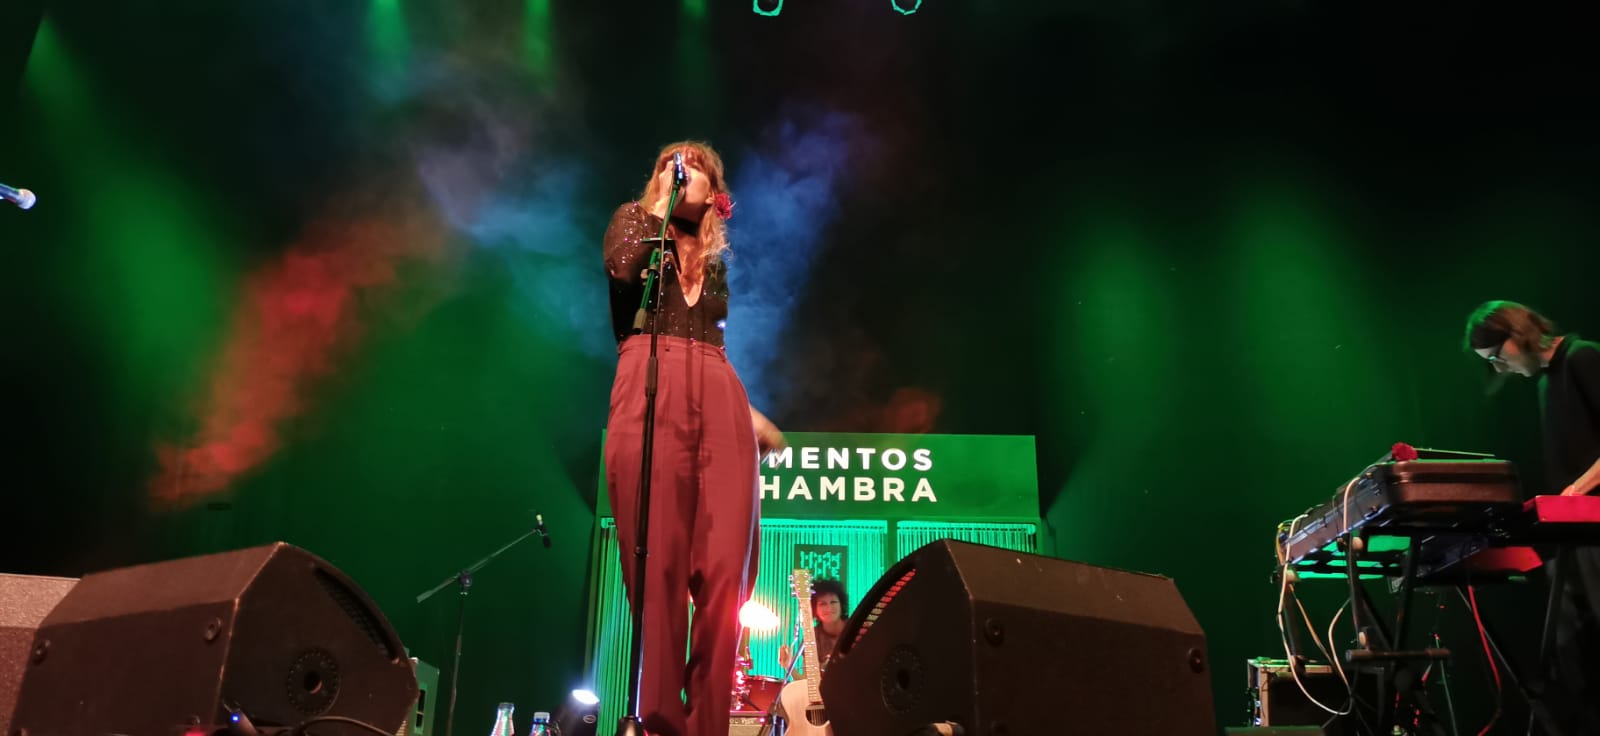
{"points": [[650, 303], [788, 676], [464, 579]]}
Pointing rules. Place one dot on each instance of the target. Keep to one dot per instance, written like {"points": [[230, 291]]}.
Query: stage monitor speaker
{"points": [[272, 631], [24, 602], [1005, 643]]}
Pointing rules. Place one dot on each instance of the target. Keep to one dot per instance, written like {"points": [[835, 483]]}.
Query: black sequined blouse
{"points": [[626, 256]]}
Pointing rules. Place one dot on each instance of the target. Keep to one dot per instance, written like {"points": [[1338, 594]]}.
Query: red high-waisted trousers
{"points": [[703, 512]]}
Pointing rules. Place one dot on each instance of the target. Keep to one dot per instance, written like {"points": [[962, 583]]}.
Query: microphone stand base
{"points": [[630, 726]]}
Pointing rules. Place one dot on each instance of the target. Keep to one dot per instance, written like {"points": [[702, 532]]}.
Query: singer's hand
{"points": [[768, 438], [664, 191], [784, 657]]}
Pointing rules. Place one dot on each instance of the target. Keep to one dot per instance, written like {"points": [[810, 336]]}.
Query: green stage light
{"points": [[538, 39], [387, 36]]}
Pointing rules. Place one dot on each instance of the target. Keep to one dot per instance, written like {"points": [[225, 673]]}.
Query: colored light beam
{"points": [[693, 54], [785, 191], [387, 37], [537, 39], [297, 318], [478, 163], [146, 239], [536, 219]]}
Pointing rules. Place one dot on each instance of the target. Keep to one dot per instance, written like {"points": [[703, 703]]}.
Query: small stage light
{"points": [[579, 715]]}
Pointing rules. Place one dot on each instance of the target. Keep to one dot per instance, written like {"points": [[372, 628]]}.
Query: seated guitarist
{"points": [[828, 609], [1517, 340]]}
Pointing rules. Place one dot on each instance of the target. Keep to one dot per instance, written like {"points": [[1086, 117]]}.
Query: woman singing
{"points": [[703, 505]]}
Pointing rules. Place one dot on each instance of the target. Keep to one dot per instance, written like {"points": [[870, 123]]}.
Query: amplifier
{"points": [[1276, 701], [420, 722], [745, 725]]}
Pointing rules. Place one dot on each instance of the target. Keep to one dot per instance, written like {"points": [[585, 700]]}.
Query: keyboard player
{"points": [[1516, 340]]}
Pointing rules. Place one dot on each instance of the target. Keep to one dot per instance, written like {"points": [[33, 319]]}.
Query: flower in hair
{"points": [[723, 204]]}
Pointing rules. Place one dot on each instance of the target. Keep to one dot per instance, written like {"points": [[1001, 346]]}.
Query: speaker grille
{"points": [[358, 611], [882, 604], [901, 680]]}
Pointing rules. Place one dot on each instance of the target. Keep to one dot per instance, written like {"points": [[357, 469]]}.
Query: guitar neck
{"points": [[809, 645]]}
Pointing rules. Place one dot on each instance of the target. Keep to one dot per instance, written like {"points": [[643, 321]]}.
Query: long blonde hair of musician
{"points": [[713, 232], [1494, 322]]}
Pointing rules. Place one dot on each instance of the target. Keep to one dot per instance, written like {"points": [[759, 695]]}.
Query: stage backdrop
{"points": [[328, 271]]}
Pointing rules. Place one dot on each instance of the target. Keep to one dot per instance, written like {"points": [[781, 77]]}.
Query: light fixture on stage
{"points": [[756, 617], [752, 617], [579, 715]]}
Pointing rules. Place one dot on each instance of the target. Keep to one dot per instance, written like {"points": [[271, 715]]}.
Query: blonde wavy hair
{"points": [[713, 232]]}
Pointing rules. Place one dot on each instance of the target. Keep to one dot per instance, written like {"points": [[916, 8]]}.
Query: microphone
{"points": [[679, 176], [22, 197], [544, 534]]}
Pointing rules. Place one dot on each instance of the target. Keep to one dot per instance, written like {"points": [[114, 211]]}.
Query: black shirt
{"points": [[825, 644], [626, 257], [1569, 397]]}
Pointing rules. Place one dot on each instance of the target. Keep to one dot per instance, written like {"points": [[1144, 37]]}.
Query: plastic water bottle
{"points": [[502, 721], [541, 724]]}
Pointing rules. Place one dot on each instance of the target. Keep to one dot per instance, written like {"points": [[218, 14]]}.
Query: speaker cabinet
{"points": [[24, 602], [272, 631], [1005, 643]]}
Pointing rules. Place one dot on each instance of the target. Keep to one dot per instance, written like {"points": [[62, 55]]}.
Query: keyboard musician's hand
{"points": [[1572, 491]]}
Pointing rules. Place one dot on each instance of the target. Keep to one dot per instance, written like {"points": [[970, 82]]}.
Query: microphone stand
{"points": [[650, 303], [464, 579], [777, 700]]}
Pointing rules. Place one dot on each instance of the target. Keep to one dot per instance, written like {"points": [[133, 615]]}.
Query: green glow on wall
{"points": [[1298, 301], [149, 254], [1118, 312]]}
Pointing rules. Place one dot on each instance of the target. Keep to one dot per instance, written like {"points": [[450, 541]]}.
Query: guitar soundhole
{"points": [[901, 680]]}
